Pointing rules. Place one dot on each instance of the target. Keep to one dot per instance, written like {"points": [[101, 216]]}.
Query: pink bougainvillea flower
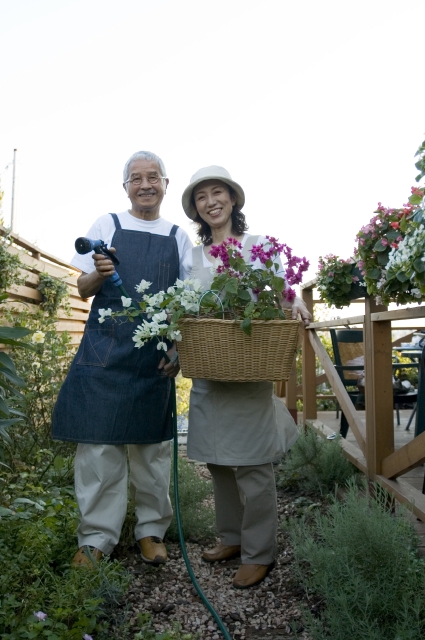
{"points": [[395, 225]]}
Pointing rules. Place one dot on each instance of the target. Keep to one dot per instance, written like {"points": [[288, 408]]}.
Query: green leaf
{"points": [[246, 326], [383, 258], [249, 308], [419, 265], [13, 333], [231, 285], [374, 274], [58, 463], [3, 407], [243, 294], [8, 423], [268, 314], [402, 277], [5, 512], [278, 283], [13, 378], [7, 362], [403, 224], [379, 246], [415, 198]]}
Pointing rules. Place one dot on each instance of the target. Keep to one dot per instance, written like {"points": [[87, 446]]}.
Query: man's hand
{"points": [[171, 368], [90, 283], [104, 265]]}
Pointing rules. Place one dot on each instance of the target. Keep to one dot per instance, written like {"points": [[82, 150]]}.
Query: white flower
{"points": [[40, 615], [104, 313], [176, 335], [416, 293], [171, 290], [197, 285], [143, 286], [36, 364], [38, 337], [160, 317], [126, 302], [162, 345]]}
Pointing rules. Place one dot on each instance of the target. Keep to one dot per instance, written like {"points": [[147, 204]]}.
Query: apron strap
{"points": [[116, 220], [174, 230], [250, 241]]}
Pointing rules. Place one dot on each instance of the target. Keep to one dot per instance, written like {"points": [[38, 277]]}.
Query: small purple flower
{"points": [[40, 615], [87, 637]]}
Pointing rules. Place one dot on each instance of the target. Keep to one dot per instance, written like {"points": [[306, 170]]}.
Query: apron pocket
{"points": [[96, 346]]}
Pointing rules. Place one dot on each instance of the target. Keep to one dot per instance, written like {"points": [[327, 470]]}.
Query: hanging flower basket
{"points": [[219, 350]]}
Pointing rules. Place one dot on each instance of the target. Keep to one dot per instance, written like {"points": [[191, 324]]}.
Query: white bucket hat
{"points": [[210, 173]]}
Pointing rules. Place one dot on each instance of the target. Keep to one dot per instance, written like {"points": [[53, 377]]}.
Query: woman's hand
{"points": [[171, 368], [298, 307]]}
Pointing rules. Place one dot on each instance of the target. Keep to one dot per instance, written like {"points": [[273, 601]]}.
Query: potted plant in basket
{"points": [[339, 281], [242, 308], [406, 262], [376, 240]]}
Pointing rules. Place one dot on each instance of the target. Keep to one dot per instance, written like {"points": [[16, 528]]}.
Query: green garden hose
{"points": [[192, 576]]}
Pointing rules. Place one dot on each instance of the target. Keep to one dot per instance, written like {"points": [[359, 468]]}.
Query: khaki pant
{"points": [[246, 510], [101, 483]]}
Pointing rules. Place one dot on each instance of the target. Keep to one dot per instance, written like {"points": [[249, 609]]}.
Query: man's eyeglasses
{"points": [[137, 181]]}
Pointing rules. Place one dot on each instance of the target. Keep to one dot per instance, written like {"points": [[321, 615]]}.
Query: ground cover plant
{"points": [[40, 594], [315, 464], [359, 561]]}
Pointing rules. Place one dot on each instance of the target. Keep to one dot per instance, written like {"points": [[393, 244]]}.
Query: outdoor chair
{"points": [[348, 346]]}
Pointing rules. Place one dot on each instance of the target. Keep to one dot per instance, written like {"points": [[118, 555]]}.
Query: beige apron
{"points": [[236, 423]]}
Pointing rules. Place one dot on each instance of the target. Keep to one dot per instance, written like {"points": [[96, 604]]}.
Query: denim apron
{"points": [[114, 393]]}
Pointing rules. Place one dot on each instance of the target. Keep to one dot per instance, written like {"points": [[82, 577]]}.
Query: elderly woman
{"points": [[237, 428]]}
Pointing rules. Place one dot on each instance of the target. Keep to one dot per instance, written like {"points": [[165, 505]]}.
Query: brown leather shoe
{"points": [[153, 550], [249, 574], [222, 552], [87, 557]]}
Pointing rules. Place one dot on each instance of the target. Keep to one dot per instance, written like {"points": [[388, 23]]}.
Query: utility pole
{"points": [[13, 211]]}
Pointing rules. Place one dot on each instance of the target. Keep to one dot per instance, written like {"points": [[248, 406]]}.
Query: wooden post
{"points": [[378, 389], [309, 366], [291, 393]]}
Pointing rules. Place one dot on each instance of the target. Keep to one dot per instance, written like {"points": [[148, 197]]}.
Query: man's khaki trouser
{"points": [[101, 484]]}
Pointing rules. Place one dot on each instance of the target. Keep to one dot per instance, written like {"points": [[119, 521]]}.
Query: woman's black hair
{"points": [[239, 225]]}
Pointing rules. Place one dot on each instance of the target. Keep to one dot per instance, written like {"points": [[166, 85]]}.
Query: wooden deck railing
{"points": [[27, 296], [375, 454]]}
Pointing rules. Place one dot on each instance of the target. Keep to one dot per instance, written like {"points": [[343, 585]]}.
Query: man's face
{"points": [[144, 196]]}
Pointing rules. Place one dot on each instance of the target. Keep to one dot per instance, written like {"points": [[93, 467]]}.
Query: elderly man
{"points": [[114, 394]]}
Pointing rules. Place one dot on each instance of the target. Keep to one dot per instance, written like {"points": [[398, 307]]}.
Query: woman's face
{"points": [[214, 203]]}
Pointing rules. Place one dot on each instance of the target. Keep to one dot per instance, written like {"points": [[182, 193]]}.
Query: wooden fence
{"points": [[374, 454], [26, 296]]}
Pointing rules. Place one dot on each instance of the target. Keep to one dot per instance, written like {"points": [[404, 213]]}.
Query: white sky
{"points": [[315, 106]]}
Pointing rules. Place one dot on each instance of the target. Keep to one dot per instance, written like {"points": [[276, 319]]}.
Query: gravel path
{"points": [[269, 610]]}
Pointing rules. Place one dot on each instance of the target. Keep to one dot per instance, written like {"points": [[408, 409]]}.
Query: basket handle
{"points": [[216, 296]]}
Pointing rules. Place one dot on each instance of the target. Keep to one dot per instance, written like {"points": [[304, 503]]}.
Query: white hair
{"points": [[144, 155]]}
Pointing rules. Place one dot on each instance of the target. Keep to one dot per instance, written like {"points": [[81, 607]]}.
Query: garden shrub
{"points": [[360, 559], [36, 535], [315, 464], [197, 517]]}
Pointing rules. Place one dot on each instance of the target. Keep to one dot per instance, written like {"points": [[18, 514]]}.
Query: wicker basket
{"points": [[219, 349]]}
